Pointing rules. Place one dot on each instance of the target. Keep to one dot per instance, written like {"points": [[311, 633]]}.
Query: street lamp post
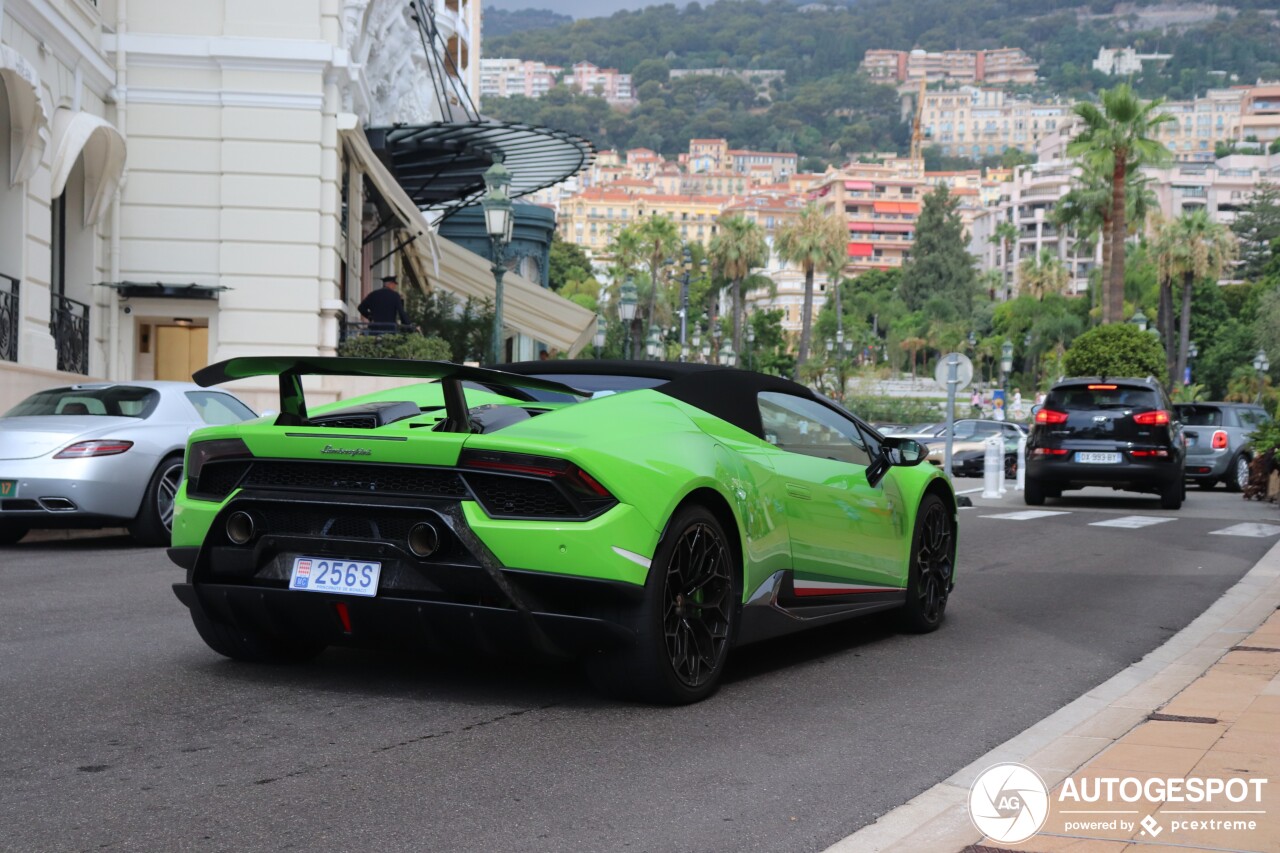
{"points": [[751, 346], [1262, 365], [1140, 320], [653, 343], [627, 313], [499, 220], [728, 358], [598, 337], [1192, 352], [1006, 361]]}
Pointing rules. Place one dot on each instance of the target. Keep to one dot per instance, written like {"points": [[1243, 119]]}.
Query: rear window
{"points": [[215, 408], [115, 401], [1252, 418], [1205, 416], [1103, 395]]}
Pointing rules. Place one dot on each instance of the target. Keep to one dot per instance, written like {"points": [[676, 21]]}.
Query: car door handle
{"points": [[799, 492]]}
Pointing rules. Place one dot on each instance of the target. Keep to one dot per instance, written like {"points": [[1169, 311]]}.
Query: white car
{"points": [[102, 455]]}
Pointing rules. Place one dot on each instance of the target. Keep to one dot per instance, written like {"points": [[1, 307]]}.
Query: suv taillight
{"points": [[1049, 416], [1154, 418], [1220, 439]]}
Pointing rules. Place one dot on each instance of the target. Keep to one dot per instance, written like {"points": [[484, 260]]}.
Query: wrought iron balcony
{"points": [[69, 323], [9, 314]]}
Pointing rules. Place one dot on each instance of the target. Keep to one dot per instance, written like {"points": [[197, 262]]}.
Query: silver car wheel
{"points": [[166, 492], [1242, 472]]}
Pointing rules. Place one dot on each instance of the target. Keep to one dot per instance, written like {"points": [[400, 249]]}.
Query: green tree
{"points": [[659, 239], [737, 248], [940, 264], [1190, 248], [566, 262], [465, 329], [1120, 135], [1258, 228], [813, 240], [1042, 275], [1120, 349]]}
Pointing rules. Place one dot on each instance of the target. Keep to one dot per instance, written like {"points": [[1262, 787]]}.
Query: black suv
{"points": [[1121, 433]]}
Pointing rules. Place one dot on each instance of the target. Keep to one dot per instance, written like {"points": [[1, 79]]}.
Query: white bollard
{"points": [[1022, 463], [993, 468]]}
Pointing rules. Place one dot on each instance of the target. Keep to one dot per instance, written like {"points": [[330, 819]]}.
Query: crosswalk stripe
{"points": [[1027, 514], [1250, 528], [1132, 521]]}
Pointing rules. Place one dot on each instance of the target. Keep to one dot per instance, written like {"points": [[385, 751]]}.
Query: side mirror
{"points": [[895, 451]]}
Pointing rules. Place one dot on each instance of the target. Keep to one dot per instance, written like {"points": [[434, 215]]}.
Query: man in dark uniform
{"points": [[383, 307]]}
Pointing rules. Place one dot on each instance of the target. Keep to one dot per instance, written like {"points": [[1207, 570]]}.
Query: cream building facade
{"points": [[190, 182]]}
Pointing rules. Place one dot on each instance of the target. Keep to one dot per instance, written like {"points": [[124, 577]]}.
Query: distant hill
{"points": [[500, 22], [825, 107]]}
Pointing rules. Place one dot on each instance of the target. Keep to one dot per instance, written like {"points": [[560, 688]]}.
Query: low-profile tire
{"points": [[11, 533], [1206, 483], [1172, 495], [1033, 492], [686, 621], [1011, 467], [153, 526], [931, 573], [1237, 476], [249, 644]]}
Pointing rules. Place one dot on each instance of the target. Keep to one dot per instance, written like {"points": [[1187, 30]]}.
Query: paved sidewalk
{"points": [[1225, 725]]}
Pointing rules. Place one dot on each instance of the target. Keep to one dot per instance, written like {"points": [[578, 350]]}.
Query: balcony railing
{"points": [[356, 329], [69, 323], [9, 315]]}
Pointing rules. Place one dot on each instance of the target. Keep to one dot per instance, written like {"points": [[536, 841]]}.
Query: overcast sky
{"points": [[578, 8]]}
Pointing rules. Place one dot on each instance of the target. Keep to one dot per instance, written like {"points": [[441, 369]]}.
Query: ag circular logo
{"points": [[1008, 803]]}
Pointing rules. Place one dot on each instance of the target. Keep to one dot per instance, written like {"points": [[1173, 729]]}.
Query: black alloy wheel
{"points": [[686, 622], [153, 525], [932, 567], [697, 604]]}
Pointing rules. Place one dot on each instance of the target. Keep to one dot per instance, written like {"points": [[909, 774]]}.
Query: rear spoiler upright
{"points": [[291, 369]]}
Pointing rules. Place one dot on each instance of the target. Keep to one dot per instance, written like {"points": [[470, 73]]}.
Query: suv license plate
{"points": [[1098, 458], [326, 574]]}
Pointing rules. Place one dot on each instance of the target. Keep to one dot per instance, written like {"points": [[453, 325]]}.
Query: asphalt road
{"points": [[122, 731]]}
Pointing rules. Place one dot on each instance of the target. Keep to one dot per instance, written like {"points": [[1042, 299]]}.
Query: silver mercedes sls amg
{"points": [[102, 455]]}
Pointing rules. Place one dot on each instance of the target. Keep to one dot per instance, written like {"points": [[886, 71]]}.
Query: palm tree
{"points": [[738, 247], [1119, 135], [913, 345], [657, 239], [813, 240], [1190, 247], [1043, 274], [1006, 236]]}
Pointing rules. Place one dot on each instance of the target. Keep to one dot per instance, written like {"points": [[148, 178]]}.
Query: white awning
{"points": [[27, 114], [77, 134], [527, 308]]}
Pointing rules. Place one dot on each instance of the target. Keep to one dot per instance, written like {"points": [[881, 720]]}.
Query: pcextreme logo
{"points": [[1008, 803]]}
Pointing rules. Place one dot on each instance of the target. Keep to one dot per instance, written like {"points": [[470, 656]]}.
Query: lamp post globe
{"points": [[1140, 320], [1006, 359], [499, 219], [652, 344], [728, 358], [1260, 361], [599, 337]]}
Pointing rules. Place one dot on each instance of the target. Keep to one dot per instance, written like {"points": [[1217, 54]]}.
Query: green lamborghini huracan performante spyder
{"points": [[643, 516]]}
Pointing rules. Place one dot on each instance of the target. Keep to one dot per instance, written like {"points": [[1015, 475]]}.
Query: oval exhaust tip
{"points": [[240, 527], [424, 539]]}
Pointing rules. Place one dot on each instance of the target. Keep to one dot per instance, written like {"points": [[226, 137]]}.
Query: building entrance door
{"points": [[181, 351]]}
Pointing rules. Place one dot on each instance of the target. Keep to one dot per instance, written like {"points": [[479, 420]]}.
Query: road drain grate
{"points": [[1253, 649], [1179, 718]]}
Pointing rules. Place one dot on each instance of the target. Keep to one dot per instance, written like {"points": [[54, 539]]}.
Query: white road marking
{"points": [[1027, 514], [1258, 531], [969, 491], [1132, 522]]}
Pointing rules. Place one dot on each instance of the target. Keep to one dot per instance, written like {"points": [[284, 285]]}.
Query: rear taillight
{"points": [[88, 449], [203, 452], [586, 492], [1049, 416], [1220, 439], [1050, 451], [1153, 418], [1145, 454]]}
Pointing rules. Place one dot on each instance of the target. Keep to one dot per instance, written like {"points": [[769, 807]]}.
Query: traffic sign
{"points": [[963, 367]]}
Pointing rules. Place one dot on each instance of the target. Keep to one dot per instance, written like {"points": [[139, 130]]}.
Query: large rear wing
{"points": [[291, 369]]}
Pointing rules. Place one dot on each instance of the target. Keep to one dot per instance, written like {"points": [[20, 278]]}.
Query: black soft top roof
{"points": [[725, 392]]}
